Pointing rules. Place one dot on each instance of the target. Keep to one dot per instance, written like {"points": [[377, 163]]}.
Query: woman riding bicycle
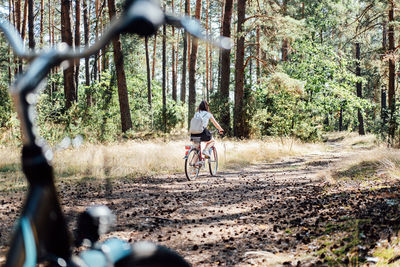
{"points": [[204, 112]]}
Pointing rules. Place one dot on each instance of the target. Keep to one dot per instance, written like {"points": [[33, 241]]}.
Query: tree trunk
{"points": [[96, 30], [192, 68], [225, 65], [149, 96], [41, 21], [164, 76], [285, 43], [77, 41], [240, 126], [392, 68], [126, 121], [173, 63], [66, 36], [258, 47], [18, 15], [86, 40], [359, 91], [189, 39], [220, 50], [31, 34], [153, 70], [23, 31], [184, 63], [9, 56], [341, 118], [24, 20], [207, 59], [383, 90]]}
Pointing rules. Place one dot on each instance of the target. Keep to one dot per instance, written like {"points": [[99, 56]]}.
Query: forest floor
{"points": [[291, 212]]}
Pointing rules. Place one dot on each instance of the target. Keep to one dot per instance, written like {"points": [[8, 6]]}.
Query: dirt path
{"points": [[262, 215]]}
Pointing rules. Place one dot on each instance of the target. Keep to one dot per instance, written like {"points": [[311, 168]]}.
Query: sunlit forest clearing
{"points": [[154, 157]]}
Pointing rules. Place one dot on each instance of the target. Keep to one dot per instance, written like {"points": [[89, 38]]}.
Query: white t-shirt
{"points": [[205, 116]]}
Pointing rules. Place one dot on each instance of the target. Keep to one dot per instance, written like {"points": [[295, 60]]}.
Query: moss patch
{"points": [[361, 171]]}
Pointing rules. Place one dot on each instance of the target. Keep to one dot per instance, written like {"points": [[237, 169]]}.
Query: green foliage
{"points": [[281, 111], [5, 105], [101, 121], [307, 96], [329, 84]]}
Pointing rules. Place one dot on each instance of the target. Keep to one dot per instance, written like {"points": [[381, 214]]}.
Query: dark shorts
{"points": [[204, 136]]}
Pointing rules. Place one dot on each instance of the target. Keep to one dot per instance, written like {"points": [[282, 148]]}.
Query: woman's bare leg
{"points": [[209, 144]]}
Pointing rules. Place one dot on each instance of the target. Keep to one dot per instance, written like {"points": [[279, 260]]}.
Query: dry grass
{"points": [[142, 158], [373, 160]]}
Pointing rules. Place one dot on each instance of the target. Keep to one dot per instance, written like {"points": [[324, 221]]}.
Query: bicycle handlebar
{"points": [[142, 17]]}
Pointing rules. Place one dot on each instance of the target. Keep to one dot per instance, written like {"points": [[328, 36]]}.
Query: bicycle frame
{"points": [[42, 231]]}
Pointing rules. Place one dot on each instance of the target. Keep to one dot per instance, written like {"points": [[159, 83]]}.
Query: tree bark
{"points": [[207, 59], [153, 70], [164, 76], [24, 20], [86, 40], [66, 36], [220, 50], [225, 65], [41, 21], [96, 30], [9, 48], [77, 41], [31, 33], [18, 15], [240, 126], [383, 89], [23, 32], [126, 121], [392, 75], [189, 39], [361, 130], [89, 100], [184, 63], [192, 68], [173, 63], [258, 47], [149, 96], [285, 43]]}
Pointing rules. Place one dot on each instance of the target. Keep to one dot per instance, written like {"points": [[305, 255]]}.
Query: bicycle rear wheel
{"points": [[191, 167], [213, 161]]}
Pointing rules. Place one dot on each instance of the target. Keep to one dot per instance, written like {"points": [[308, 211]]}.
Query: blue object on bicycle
{"points": [[94, 258], [116, 249], [111, 251], [29, 242]]}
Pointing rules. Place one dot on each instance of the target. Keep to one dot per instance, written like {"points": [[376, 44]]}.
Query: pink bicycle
{"points": [[195, 160]]}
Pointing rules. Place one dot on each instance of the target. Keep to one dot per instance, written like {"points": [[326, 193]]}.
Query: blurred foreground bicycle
{"points": [[41, 235]]}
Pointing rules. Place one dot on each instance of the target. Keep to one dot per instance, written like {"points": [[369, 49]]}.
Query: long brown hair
{"points": [[204, 106]]}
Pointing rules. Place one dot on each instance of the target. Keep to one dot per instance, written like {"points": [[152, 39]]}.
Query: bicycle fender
{"points": [[186, 156]]}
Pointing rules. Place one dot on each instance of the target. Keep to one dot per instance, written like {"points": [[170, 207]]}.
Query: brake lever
{"points": [[194, 28]]}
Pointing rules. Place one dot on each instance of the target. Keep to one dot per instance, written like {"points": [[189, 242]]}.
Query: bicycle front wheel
{"points": [[213, 161], [191, 165]]}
